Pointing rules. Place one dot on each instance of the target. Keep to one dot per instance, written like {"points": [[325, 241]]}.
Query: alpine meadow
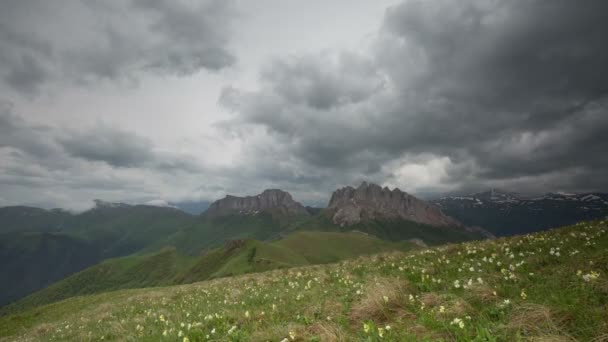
{"points": [[285, 170]]}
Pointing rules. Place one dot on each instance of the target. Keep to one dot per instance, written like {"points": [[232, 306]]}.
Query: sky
{"points": [[158, 101]]}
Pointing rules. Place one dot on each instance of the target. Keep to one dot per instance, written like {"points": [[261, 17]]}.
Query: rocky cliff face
{"points": [[272, 199], [370, 201]]}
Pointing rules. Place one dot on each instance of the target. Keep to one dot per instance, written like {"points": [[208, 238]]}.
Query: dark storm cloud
{"points": [[113, 146], [86, 41], [123, 149], [198, 34], [514, 92], [323, 83]]}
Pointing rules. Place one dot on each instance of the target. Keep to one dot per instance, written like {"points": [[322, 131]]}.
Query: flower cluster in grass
{"points": [[546, 284]]}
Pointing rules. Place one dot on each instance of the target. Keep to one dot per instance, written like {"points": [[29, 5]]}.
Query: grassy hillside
{"points": [[113, 274], [116, 230], [206, 233], [46, 246], [549, 286], [169, 267], [320, 248]]}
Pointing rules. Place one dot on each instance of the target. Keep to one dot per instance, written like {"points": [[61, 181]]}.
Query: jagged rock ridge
{"points": [[370, 201], [271, 199]]}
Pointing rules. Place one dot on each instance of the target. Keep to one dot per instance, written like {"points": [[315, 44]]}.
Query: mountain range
{"points": [[369, 201], [117, 245], [506, 213]]}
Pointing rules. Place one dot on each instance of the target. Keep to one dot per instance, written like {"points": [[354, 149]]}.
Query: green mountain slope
{"points": [[31, 261], [320, 248], [209, 232], [124, 229], [392, 230], [29, 219], [46, 246], [236, 257], [113, 230], [113, 274], [549, 286]]}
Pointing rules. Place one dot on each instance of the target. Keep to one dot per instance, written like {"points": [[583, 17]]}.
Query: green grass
{"points": [[320, 248], [206, 233], [67, 243], [113, 274], [549, 286], [169, 267]]}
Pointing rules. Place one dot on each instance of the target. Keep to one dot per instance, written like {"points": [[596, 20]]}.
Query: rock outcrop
{"points": [[271, 199], [369, 201]]}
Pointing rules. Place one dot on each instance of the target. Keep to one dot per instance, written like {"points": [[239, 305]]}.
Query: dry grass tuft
{"points": [[43, 329], [329, 332], [382, 299], [279, 332], [431, 299], [538, 321], [458, 307], [333, 308], [601, 338], [553, 338], [422, 333], [482, 292]]}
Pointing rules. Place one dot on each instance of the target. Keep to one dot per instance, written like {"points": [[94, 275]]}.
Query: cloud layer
{"points": [[490, 92], [446, 96], [90, 41]]}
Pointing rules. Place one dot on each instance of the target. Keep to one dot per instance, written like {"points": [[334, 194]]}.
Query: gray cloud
{"points": [[123, 149], [113, 146], [511, 98], [448, 96], [325, 81], [88, 41], [20, 136], [53, 166]]}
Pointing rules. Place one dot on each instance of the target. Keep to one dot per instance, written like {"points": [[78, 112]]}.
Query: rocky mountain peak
{"points": [[270, 199], [370, 201]]}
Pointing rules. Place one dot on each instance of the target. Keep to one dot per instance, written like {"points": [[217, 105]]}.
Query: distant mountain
{"points": [[122, 229], [506, 213], [39, 247], [31, 261], [192, 207], [369, 202], [314, 210], [275, 200], [30, 219], [388, 214]]}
